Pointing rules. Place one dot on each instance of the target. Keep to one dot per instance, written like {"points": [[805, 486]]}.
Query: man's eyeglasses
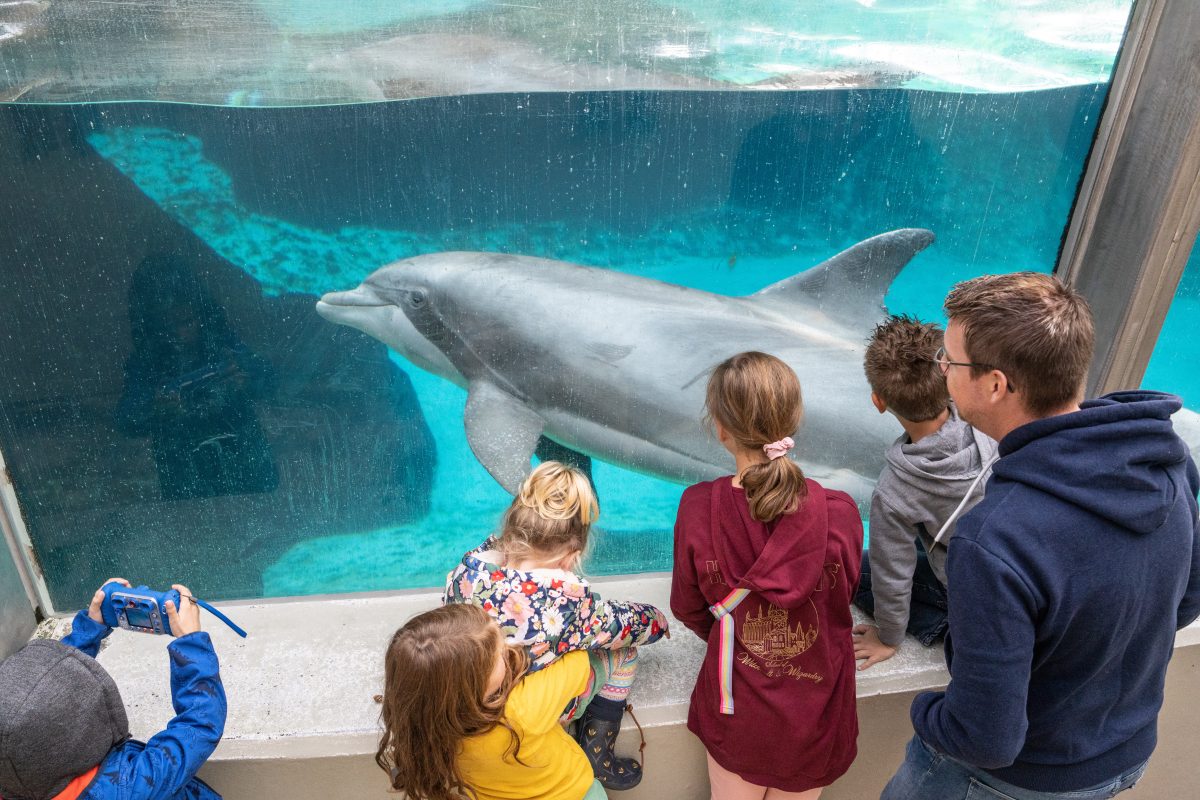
{"points": [[944, 364]]}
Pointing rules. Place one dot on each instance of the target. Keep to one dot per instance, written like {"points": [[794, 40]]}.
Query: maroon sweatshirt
{"points": [[794, 726]]}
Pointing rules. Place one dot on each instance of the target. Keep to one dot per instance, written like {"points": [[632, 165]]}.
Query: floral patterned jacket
{"points": [[549, 611]]}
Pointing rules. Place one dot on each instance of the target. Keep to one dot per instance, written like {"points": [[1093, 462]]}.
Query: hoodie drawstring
{"points": [[723, 611], [970, 490]]}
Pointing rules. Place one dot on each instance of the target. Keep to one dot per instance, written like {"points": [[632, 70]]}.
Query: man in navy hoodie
{"points": [[1069, 579]]}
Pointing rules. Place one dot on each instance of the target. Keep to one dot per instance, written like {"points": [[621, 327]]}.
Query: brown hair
{"points": [[435, 674], [551, 515], [1032, 327], [756, 398], [899, 366]]}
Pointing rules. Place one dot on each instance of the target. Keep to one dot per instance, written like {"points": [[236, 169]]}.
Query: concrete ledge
{"points": [[303, 721], [301, 687], [303, 683]]}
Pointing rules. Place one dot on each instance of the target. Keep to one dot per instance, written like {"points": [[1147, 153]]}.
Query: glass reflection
{"points": [[172, 396], [305, 52], [192, 386]]}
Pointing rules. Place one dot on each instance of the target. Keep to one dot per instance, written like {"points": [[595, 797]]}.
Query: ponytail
{"points": [[756, 398], [774, 489]]}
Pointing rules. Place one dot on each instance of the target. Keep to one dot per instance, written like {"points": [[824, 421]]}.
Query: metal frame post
{"points": [[1138, 210]]}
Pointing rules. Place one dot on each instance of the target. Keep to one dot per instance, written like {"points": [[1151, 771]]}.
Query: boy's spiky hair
{"points": [[899, 366]]}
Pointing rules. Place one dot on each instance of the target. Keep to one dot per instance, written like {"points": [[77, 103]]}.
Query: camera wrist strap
{"points": [[219, 616]]}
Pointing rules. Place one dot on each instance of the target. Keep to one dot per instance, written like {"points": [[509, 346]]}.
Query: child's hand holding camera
{"points": [[186, 618], [143, 610], [98, 598]]}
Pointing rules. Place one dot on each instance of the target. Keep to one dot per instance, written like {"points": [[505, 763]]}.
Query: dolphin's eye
{"points": [[416, 298]]}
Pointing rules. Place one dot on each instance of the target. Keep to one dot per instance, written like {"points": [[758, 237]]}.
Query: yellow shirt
{"points": [[556, 768]]}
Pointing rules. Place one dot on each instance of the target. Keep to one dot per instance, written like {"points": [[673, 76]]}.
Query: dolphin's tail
{"points": [[851, 285]]}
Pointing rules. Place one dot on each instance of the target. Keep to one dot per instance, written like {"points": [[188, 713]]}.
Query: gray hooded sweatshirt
{"points": [[921, 489], [60, 714]]}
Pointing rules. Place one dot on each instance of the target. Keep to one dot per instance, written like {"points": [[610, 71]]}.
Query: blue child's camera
{"points": [[137, 609], [143, 609]]}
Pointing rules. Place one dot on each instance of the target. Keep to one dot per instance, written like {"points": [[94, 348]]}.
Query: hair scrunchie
{"points": [[776, 449]]}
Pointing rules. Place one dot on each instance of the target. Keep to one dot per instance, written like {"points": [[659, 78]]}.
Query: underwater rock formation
{"points": [[337, 440]]}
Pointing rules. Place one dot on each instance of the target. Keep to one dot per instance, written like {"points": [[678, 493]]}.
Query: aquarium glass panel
{"points": [[593, 205], [1173, 366], [303, 52]]}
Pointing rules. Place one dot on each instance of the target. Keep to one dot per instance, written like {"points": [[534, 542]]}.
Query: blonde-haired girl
{"points": [[464, 719], [527, 579], [766, 563]]}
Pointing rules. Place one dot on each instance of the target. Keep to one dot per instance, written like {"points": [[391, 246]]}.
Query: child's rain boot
{"points": [[597, 735]]}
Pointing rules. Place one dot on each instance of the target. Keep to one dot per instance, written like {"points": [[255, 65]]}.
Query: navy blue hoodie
{"points": [[1067, 584]]}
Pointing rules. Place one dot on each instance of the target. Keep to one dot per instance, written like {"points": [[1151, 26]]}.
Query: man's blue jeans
{"points": [[928, 775]]}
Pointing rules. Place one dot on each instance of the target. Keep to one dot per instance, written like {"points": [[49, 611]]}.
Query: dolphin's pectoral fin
{"points": [[851, 285], [502, 432]]}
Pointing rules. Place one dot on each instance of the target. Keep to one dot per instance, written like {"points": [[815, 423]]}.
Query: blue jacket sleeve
{"points": [[171, 758], [981, 717], [86, 634], [1189, 607]]}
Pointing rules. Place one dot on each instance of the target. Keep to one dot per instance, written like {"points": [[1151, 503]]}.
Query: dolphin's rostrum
{"points": [[614, 365]]}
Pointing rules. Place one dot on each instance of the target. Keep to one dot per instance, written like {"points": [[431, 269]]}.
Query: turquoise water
{"points": [[970, 119], [996, 197], [305, 52], [1173, 365], [340, 17], [959, 45]]}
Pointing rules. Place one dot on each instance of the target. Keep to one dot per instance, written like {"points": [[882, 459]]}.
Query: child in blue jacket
{"points": [[63, 730]]}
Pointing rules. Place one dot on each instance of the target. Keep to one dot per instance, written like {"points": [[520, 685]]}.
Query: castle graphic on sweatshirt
{"points": [[768, 634]]}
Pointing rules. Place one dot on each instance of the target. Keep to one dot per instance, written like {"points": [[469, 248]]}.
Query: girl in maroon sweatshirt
{"points": [[766, 563]]}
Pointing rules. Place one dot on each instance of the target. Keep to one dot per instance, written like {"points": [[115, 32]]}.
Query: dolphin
{"points": [[1187, 424], [615, 365]]}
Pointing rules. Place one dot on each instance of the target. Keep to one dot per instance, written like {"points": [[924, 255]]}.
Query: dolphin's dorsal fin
{"points": [[851, 285], [502, 432]]}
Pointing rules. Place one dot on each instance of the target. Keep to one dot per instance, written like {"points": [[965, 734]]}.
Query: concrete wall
{"points": [[1172, 772], [303, 723], [16, 616], [885, 729], [675, 759]]}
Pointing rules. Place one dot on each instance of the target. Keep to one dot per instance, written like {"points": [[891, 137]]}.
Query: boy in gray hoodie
{"points": [[935, 472]]}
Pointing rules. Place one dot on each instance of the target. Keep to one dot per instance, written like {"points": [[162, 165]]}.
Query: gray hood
{"points": [[943, 463], [60, 715], [928, 480]]}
